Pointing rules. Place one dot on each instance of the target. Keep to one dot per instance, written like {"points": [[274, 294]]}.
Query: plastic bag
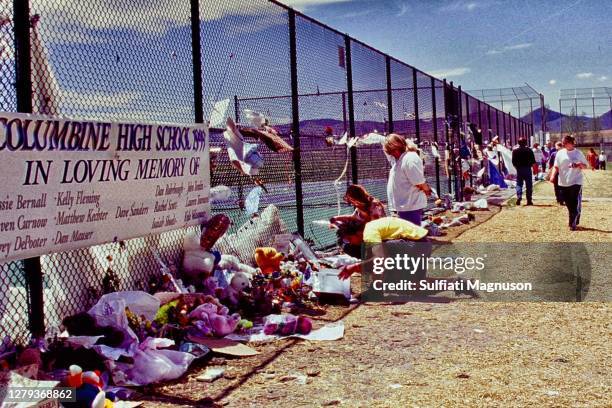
{"points": [[152, 364], [110, 311]]}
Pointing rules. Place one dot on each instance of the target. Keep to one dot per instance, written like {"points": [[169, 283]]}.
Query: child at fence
{"points": [[367, 207]]}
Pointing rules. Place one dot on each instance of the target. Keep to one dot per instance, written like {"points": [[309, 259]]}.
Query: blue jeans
{"points": [[415, 216], [524, 175]]}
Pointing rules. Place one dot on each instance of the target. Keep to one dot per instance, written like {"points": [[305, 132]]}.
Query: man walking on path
{"points": [[523, 160], [569, 164]]}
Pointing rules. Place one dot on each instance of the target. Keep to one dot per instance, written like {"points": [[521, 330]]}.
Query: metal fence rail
{"points": [[171, 62]]}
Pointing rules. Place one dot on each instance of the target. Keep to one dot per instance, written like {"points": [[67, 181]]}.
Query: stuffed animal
{"points": [[268, 259], [88, 393], [199, 259], [239, 283], [210, 319], [232, 263]]}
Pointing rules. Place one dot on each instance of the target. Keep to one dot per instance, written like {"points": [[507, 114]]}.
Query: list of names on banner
{"points": [[69, 184]]}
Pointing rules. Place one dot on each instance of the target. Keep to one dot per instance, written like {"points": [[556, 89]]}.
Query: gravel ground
{"points": [[443, 351]]}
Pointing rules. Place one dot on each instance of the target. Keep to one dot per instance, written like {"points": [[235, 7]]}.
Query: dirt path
{"points": [[445, 352]]}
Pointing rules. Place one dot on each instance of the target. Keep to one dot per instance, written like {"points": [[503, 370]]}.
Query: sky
{"points": [[479, 44], [123, 61]]}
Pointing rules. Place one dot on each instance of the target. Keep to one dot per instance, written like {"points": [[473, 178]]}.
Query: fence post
{"points": [[460, 139], [448, 149], [503, 115], [496, 122], [295, 126], [489, 130], [389, 95], [240, 179], [435, 130], [468, 121], [417, 120], [23, 87], [196, 53], [480, 117], [351, 107]]}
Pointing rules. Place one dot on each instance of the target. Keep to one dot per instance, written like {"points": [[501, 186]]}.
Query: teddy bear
{"points": [[239, 283], [232, 263], [210, 319], [196, 261], [268, 259]]}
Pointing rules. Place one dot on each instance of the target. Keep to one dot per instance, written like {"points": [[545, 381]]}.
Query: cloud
{"points": [[507, 48], [465, 5], [451, 72], [584, 75], [552, 81], [153, 17], [602, 78], [355, 14], [403, 9]]}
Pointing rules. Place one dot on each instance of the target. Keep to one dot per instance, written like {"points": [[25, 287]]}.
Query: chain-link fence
{"points": [[174, 62]]}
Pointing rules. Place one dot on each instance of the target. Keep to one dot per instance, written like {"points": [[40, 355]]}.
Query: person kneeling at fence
{"points": [[367, 207], [389, 237]]}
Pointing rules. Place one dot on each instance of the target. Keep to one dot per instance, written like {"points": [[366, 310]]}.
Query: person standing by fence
{"points": [[602, 160], [407, 189], [523, 160], [569, 164]]}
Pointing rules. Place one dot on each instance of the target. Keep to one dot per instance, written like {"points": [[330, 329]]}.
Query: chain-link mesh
{"points": [[133, 61], [494, 128], [402, 87], [8, 100], [371, 115], [323, 113], [13, 291], [109, 62]]}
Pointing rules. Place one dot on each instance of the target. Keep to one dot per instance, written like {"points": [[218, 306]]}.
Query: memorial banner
{"points": [[68, 183]]}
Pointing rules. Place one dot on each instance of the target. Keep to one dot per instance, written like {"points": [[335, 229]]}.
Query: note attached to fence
{"points": [[68, 183]]}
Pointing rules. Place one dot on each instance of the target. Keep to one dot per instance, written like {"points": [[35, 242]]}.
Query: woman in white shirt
{"points": [[569, 163], [407, 189]]}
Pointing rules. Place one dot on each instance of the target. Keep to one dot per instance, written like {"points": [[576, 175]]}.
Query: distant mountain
{"points": [[554, 120]]}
